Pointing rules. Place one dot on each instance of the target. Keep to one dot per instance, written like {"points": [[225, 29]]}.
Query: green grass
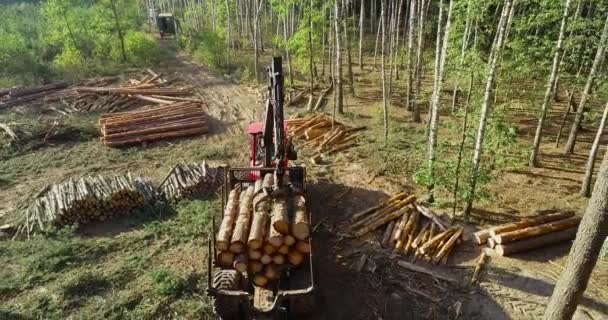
{"points": [[129, 276]]}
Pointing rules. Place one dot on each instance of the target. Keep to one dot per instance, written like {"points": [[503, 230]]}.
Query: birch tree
{"points": [[338, 78], [487, 103], [384, 91], [435, 98], [410, 55], [256, 23], [559, 46], [361, 17], [586, 186], [419, 60], [578, 118], [585, 250]]}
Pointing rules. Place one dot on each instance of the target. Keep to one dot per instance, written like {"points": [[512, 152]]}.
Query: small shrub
{"points": [[70, 62], [141, 49], [167, 283]]}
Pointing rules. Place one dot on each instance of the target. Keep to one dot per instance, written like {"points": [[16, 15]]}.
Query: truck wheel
{"points": [[226, 307]]}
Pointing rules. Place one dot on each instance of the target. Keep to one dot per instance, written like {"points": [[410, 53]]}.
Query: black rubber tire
{"points": [[226, 307]]}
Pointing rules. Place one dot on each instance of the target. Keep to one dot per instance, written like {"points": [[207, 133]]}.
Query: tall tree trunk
{"points": [[384, 89], [310, 60], [585, 250], [119, 30], [438, 43], [288, 57], [228, 27], [396, 49], [361, 17], [338, 88], [419, 61], [351, 78], [569, 149], [434, 123], [256, 23], [462, 142], [410, 56], [465, 40], [377, 38], [586, 186], [486, 104], [550, 86]]}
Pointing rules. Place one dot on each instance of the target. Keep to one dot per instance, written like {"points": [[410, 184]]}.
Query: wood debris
{"points": [[179, 119], [315, 133], [100, 94], [186, 181], [85, 200], [409, 228], [262, 234], [529, 233]]}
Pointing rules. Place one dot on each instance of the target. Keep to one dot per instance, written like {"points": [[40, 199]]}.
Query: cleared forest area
{"points": [[483, 115]]}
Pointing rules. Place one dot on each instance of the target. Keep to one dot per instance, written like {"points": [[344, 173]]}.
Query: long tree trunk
{"points": [[351, 78], [463, 48], [256, 23], [119, 30], [377, 39], [286, 39], [310, 60], [361, 17], [585, 250], [586, 186], [228, 27], [410, 56], [434, 122], [569, 148], [384, 91], [419, 62], [550, 86], [486, 104], [338, 92], [462, 142]]}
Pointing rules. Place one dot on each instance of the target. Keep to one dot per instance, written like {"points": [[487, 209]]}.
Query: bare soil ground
{"points": [[511, 288]]}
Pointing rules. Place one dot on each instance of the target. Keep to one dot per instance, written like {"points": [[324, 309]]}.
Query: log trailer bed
{"points": [[272, 205]]}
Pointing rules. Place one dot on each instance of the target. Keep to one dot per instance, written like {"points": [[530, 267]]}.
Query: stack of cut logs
{"points": [[410, 228], [528, 234], [186, 181], [321, 137], [87, 199], [96, 95], [179, 119], [19, 95], [259, 233]]}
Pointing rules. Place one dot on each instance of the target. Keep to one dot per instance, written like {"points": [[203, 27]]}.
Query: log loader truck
{"points": [[238, 294]]}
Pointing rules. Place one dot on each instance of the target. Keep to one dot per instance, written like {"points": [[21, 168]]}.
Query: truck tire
{"points": [[226, 307]]}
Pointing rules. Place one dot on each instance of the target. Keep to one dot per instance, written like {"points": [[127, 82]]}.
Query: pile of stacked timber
{"points": [[529, 233], [410, 228], [319, 135], [99, 94], [85, 200], [263, 234], [179, 119], [19, 95], [186, 181]]}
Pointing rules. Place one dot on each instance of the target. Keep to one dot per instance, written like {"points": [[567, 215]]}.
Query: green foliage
{"points": [[168, 283], [209, 48], [141, 49]]}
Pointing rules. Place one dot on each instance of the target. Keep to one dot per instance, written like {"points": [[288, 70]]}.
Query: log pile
{"points": [[529, 233], [316, 133], [409, 228], [99, 94], [171, 121], [262, 234], [186, 181], [85, 200], [19, 95]]}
